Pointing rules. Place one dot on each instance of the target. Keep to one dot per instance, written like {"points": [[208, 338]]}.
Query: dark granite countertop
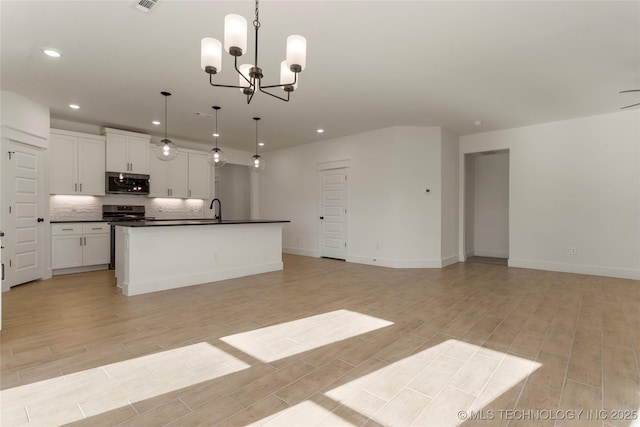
{"points": [[195, 221]]}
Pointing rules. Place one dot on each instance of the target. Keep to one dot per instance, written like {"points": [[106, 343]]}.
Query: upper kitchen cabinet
{"points": [[76, 163], [127, 151], [171, 178], [199, 176]]}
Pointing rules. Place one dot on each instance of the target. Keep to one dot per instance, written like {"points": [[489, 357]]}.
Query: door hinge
{"points": [[9, 209], [345, 244], [10, 153], [9, 263]]}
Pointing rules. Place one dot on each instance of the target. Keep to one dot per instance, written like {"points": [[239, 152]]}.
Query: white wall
{"points": [[491, 205], [573, 183], [391, 218], [450, 204]]}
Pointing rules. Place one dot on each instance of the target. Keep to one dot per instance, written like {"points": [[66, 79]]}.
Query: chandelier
{"points": [[250, 75]]}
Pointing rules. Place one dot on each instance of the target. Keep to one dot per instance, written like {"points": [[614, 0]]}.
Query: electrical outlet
{"points": [[573, 250]]}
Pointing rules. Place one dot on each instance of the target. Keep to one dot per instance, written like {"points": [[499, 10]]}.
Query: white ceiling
{"points": [[370, 64]]}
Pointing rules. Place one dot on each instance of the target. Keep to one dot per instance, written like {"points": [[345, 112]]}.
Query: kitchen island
{"points": [[158, 255]]}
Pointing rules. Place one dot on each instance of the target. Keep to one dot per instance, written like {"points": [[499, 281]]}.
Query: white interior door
{"points": [[333, 216], [24, 235]]}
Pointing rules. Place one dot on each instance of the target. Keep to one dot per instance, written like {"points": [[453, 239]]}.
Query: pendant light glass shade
{"points": [[296, 53], [216, 156], [287, 77], [211, 55], [245, 87], [235, 34], [166, 150], [257, 162]]}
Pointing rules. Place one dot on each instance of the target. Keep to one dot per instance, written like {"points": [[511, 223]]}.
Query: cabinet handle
{"points": [[81, 187], [81, 241], [67, 229], [76, 187], [85, 241], [189, 193], [96, 228]]}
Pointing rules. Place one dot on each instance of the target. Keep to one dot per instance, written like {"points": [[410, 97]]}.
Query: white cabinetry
{"points": [[171, 178], [75, 244], [76, 163], [199, 176], [127, 151]]}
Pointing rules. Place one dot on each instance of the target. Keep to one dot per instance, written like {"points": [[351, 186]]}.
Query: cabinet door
{"points": [[96, 249], [139, 155], [66, 251], [179, 176], [91, 167], [117, 153], [62, 164], [158, 177], [199, 176]]}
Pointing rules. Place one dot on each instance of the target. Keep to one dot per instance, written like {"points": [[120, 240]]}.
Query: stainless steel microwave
{"points": [[126, 183]]}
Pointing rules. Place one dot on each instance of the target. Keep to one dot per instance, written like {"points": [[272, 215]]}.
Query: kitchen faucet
{"points": [[217, 216]]}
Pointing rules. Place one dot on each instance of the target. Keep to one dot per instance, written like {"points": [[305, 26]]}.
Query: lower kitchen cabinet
{"points": [[76, 244]]}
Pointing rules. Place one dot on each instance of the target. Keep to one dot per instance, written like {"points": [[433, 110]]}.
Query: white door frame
{"points": [[321, 167]]}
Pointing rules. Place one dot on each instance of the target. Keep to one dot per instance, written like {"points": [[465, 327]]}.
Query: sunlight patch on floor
{"points": [[83, 394], [295, 337]]}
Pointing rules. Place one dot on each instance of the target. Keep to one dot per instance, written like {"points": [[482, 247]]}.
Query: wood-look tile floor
{"points": [[327, 343]]}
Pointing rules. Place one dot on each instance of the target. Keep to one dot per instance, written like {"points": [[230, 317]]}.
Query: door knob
{"points": [[40, 219]]}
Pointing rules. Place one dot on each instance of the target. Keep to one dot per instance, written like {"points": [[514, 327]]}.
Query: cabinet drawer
{"points": [[66, 228], [95, 228]]}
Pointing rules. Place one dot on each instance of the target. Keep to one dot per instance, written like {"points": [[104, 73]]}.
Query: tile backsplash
{"points": [[88, 208]]}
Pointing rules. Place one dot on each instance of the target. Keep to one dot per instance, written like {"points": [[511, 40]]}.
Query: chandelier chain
{"points": [[256, 22]]}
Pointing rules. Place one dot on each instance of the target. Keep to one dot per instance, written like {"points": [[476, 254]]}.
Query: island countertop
{"points": [[194, 221]]}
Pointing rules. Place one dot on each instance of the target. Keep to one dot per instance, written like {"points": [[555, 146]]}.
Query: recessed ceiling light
{"points": [[320, 130], [74, 106], [261, 144], [156, 122], [52, 53], [216, 134], [478, 123]]}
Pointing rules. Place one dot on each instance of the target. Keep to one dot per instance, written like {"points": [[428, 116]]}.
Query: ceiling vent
{"points": [[145, 5]]}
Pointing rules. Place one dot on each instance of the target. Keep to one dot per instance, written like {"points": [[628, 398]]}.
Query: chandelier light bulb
{"points": [[235, 34], [296, 53], [287, 77], [211, 55]]}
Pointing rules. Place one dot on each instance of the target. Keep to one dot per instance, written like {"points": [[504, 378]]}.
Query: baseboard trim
{"points": [[594, 270], [492, 254], [303, 252], [453, 259], [83, 269], [395, 263]]}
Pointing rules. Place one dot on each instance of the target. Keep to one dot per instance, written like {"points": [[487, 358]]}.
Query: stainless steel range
{"points": [[120, 213]]}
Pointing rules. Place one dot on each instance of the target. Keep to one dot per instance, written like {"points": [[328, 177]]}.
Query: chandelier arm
{"points": [[235, 65], [281, 85], [629, 106], [219, 85], [250, 97], [275, 96]]}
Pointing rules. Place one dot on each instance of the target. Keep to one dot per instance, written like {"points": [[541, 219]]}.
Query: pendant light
{"points": [[257, 162], [216, 156], [166, 150]]}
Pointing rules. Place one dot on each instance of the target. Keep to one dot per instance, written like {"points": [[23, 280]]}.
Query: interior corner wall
{"points": [[491, 205], [392, 221], [468, 196], [450, 203], [573, 184]]}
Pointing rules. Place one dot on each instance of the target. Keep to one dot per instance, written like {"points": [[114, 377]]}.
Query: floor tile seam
{"points": [[566, 371]]}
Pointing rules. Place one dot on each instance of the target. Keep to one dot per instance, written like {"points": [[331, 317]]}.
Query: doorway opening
{"points": [[233, 188], [486, 201]]}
